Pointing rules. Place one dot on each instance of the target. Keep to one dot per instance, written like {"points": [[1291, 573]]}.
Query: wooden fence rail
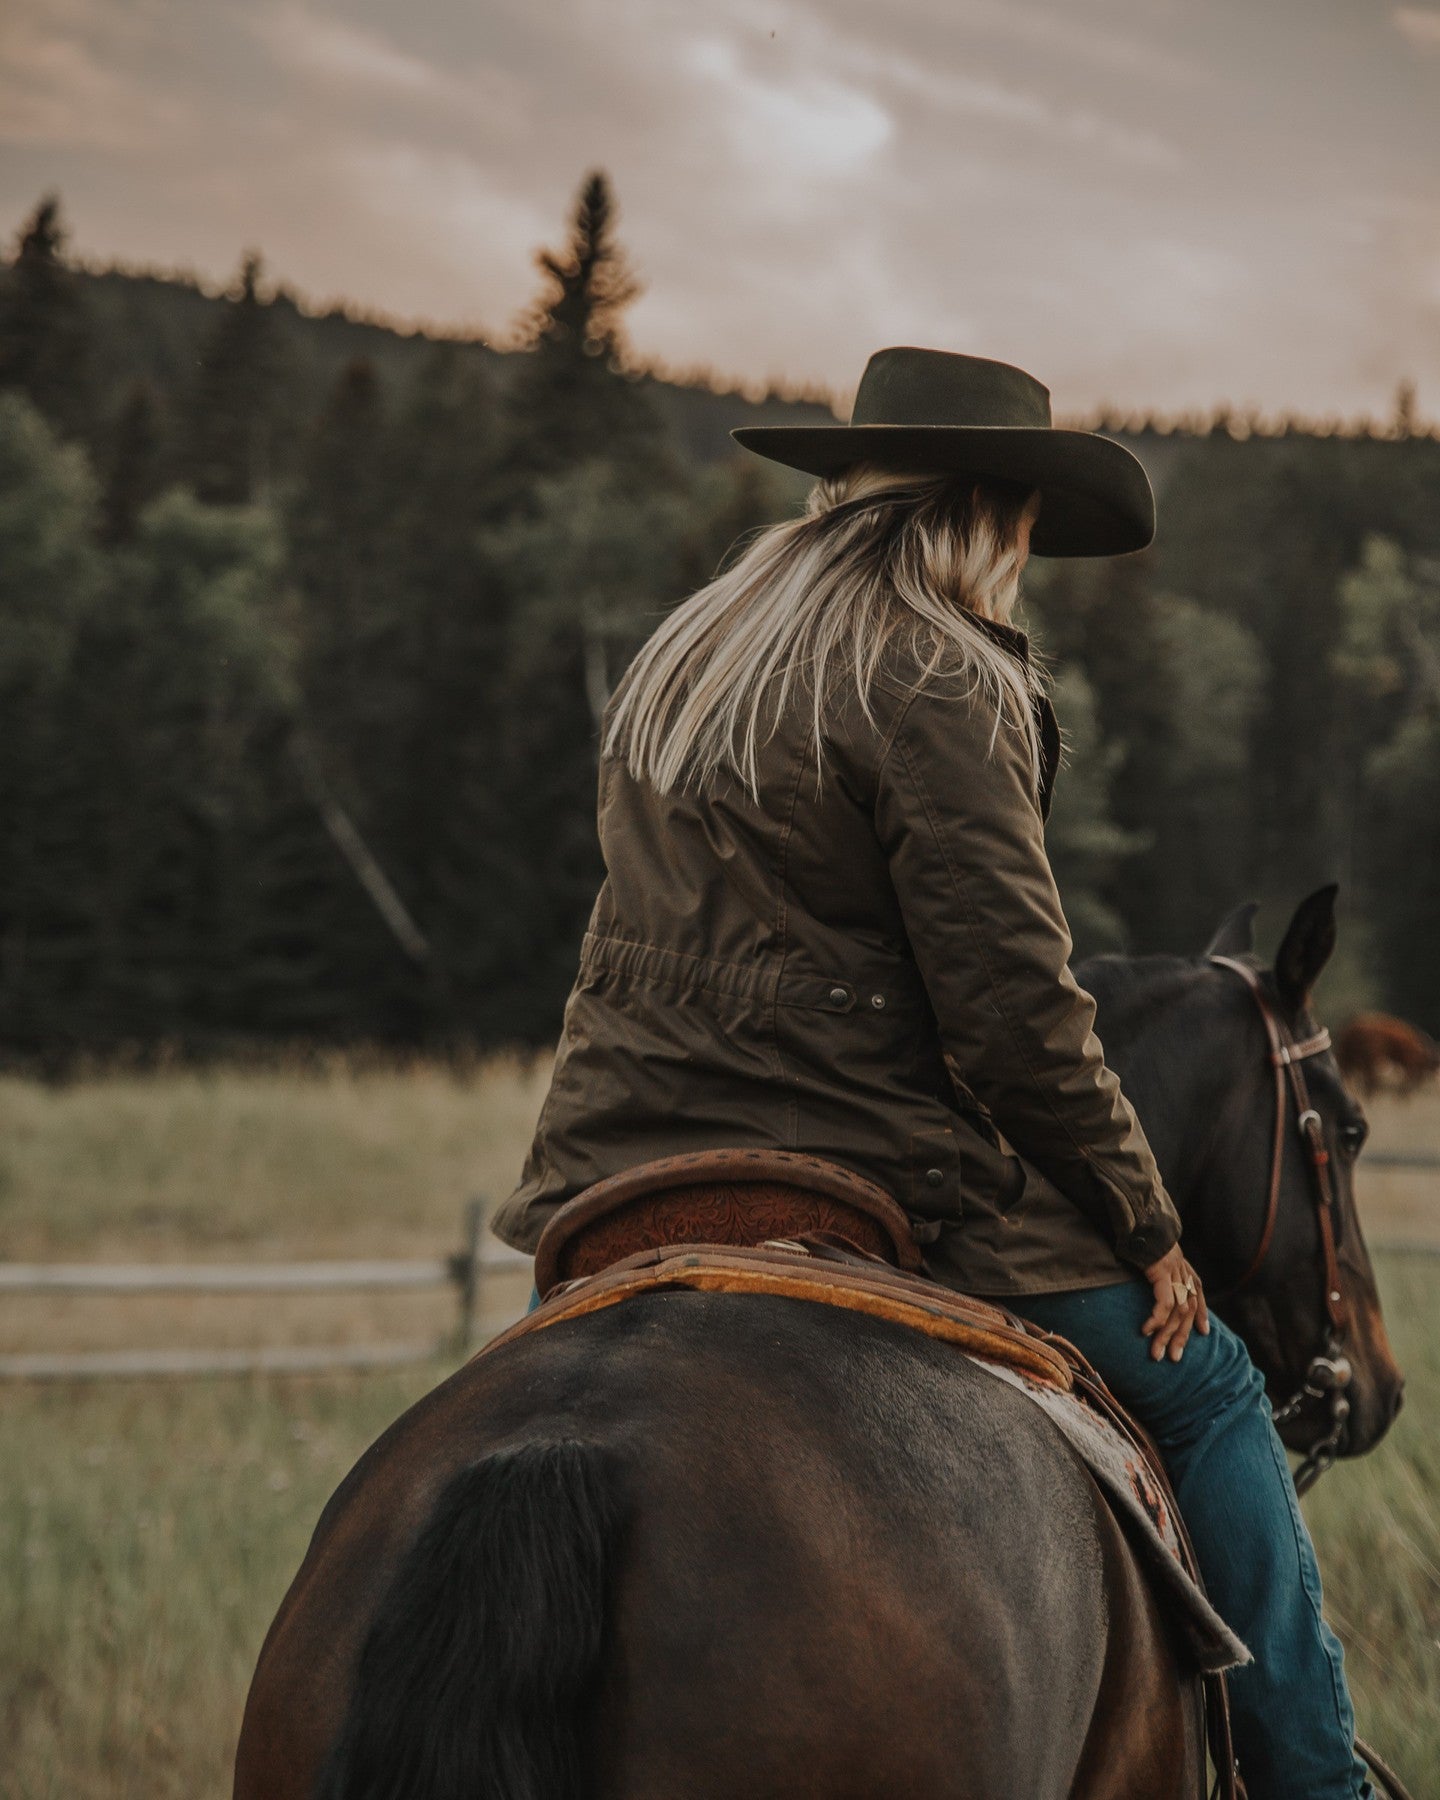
{"points": [[465, 1271], [237, 1278]]}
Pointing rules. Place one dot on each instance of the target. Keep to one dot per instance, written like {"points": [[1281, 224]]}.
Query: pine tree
{"points": [[578, 424], [1403, 856], [729, 505], [1296, 750], [131, 465], [45, 349], [1388, 659], [591, 282], [338, 528], [1201, 856], [231, 408], [571, 396], [355, 707], [50, 579], [406, 672], [179, 680], [1086, 847], [1106, 621], [462, 806]]}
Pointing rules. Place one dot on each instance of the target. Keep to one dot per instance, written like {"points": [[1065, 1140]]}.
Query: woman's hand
{"points": [[1179, 1305]]}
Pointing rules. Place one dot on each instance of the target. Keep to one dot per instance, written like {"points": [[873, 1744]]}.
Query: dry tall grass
{"points": [[147, 1533], [338, 1157]]}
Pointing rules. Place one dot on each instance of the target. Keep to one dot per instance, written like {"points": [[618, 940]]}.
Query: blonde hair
{"points": [[877, 559]]}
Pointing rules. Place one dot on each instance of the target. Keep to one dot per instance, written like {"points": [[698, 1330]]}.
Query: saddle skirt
{"points": [[636, 1235]]}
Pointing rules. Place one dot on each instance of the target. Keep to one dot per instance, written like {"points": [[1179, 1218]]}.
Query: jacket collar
{"points": [[1017, 642], [1011, 636]]}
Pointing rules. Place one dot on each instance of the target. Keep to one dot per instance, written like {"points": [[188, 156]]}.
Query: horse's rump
{"points": [[836, 1558]]}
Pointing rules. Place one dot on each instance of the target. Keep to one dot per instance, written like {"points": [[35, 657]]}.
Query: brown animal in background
{"points": [[1377, 1052]]}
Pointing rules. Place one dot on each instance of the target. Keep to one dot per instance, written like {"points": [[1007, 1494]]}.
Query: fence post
{"points": [[472, 1275]]}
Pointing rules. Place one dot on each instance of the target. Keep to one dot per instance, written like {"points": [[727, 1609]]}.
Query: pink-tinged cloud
{"points": [[1419, 24], [1148, 203]]}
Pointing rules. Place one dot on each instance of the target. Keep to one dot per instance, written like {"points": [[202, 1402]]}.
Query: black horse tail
{"points": [[474, 1680]]}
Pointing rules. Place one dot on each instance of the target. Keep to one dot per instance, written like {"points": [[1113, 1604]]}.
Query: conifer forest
{"points": [[306, 625]]}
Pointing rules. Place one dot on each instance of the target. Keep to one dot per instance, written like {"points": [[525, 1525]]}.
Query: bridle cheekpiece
{"points": [[1329, 1372]]}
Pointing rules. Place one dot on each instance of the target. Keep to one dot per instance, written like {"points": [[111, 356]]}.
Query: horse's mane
{"points": [[1133, 993]]}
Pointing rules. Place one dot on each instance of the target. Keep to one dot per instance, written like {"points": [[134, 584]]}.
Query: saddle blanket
{"points": [[990, 1338], [1144, 1512]]}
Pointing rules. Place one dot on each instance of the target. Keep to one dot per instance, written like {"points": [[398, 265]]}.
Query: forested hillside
{"points": [[305, 625]]}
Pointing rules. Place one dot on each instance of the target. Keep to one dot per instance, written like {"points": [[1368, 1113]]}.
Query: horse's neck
{"points": [[1175, 1064]]}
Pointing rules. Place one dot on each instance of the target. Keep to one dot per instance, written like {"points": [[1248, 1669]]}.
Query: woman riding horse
{"points": [[829, 925]]}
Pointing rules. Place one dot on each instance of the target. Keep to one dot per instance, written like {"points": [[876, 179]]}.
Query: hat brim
{"points": [[1095, 497]]}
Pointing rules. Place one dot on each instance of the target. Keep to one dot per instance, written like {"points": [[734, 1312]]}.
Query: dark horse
{"points": [[711, 1545]]}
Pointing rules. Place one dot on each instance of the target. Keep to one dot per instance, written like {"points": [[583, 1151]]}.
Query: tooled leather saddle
{"points": [[766, 1221]]}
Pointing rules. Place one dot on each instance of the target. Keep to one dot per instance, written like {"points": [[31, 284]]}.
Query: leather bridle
{"points": [[1329, 1372]]}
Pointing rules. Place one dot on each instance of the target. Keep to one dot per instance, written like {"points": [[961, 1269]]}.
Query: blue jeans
{"points": [[1294, 1724]]}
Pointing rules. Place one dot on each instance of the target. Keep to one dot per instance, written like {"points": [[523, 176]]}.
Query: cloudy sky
{"points": [[1147, 202]]}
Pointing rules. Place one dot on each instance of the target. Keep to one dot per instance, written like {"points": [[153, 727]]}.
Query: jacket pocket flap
{"points": [[825, 993]]}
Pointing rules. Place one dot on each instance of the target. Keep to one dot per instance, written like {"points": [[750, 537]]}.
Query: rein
{"points": [[1329, 1372]]}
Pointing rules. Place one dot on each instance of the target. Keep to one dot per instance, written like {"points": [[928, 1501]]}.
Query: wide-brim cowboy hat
{"points": [[932, 410]]}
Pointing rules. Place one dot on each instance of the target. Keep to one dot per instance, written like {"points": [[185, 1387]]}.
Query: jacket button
{"points": [[878, 1002], [934, 1178], [838, 996]]}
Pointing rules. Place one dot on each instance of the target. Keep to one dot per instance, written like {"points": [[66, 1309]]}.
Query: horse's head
{"points": [[1190, 1042]]}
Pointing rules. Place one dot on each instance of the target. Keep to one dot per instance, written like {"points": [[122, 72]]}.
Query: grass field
{"points": [[147, 1531], [331, 1158]]}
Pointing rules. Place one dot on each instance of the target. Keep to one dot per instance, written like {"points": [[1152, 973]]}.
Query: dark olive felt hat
{"points": [[934, 410]]}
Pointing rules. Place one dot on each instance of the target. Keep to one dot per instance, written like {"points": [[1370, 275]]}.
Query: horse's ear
{"points": [[1306, 946], [1236, 936]]}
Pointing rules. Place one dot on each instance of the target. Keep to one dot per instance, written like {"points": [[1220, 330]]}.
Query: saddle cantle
{"points": [[739, 1198]]}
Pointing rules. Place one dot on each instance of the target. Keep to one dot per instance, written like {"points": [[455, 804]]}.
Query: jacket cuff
{"points": [[1148, 1241]]}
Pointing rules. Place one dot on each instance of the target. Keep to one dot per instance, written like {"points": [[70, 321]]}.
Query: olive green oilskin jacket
{"points": [[871, 968]]}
